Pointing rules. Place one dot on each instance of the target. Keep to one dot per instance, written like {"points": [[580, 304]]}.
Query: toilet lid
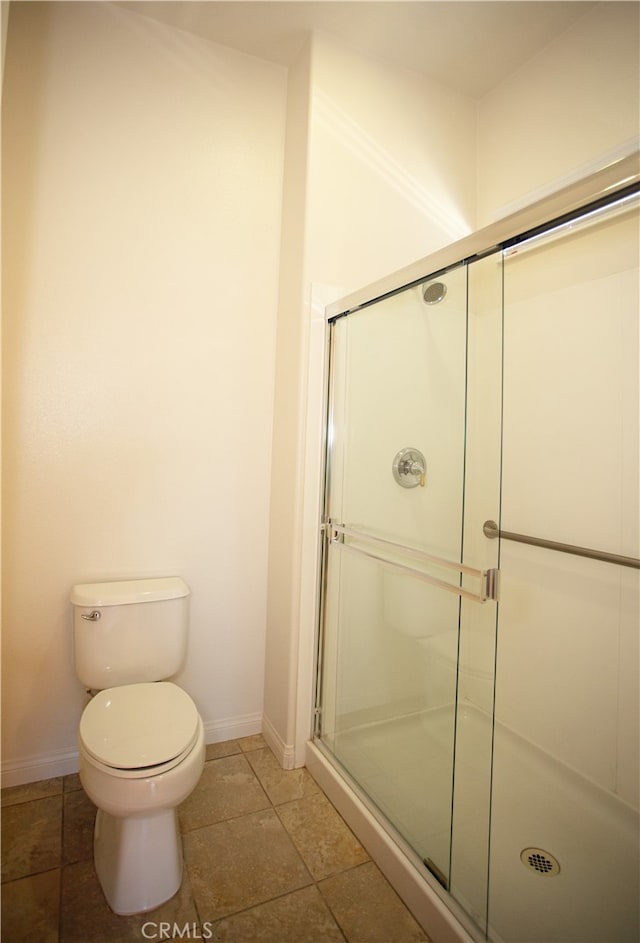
{"points": [[139, 725]]}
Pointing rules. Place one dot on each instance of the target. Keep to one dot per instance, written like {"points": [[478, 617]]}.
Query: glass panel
{"points": [[402, 386], [564, 833], [392, 719], [391, 640], [474, 722]]}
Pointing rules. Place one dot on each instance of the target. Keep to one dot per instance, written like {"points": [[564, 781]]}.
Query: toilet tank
{"points": [[129, 631]]}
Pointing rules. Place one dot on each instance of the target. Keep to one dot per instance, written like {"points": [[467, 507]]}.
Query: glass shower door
{"points": [[393, 570], [565, 840], [499, 741]]}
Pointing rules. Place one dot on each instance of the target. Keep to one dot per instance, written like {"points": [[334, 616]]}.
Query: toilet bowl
{"points": [[142, 752], [141, 740]]}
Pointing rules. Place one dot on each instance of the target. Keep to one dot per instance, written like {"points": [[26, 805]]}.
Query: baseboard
{"points": [[284, 752], [32, 769], [232, 728]]}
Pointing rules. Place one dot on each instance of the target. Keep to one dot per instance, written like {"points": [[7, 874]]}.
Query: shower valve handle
{"points": [[410, 468], [415, 468]]}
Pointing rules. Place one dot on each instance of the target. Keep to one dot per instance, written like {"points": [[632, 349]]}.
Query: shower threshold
{"points": [[440, 916]]}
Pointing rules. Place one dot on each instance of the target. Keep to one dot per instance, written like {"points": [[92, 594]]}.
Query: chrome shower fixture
{"points": [[434, 293], [410, 468]]}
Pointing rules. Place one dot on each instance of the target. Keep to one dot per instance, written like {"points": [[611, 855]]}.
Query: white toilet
{"points": [[141, 738]]}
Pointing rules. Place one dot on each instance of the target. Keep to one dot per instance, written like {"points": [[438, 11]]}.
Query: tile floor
{"points": [[267, 858]]}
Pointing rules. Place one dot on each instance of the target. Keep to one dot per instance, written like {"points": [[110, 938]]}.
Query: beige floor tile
{"points": [[281, 785], [86, 916], [255, 742], [323, 839], [30, 909], [79, 815], [12, 795], [228, 787], [368, 909], [31, 837], [71, 782], [301, 917], [240, 863], [249, 867], [216, 750]]}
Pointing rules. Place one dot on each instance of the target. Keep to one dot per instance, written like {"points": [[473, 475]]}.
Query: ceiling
{"points": [[467, 46]]}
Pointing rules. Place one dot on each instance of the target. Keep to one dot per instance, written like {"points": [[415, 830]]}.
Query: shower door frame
{"points": [[435, 908]]}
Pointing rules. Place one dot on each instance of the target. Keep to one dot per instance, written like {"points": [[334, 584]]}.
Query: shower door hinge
{"points": [[333, 532], [492, 584]]}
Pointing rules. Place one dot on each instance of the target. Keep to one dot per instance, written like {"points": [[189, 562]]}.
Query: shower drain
{"points": [[540, 861]]}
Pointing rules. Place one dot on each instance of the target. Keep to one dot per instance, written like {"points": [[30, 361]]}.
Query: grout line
{"points": [[270, 805]]}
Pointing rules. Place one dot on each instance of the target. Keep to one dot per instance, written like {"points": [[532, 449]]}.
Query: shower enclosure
{"points": [[478, 652]]}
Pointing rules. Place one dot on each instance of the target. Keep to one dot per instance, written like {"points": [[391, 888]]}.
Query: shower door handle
{"points": [[488, 579]]}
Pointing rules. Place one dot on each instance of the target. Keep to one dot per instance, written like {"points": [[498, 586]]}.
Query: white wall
{"points": [[561, 113], [391, 167], [142, 192], [288, 438], [388, 160], [115, 119]]}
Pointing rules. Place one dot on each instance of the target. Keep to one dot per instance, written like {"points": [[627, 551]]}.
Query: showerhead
{"points": [[434, 292]]}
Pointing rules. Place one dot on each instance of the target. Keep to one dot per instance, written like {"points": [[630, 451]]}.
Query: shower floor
{"points": [[405, 767]]}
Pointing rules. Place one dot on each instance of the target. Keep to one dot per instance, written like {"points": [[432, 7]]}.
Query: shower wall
{"points": [[570, 472], [565, 773]]}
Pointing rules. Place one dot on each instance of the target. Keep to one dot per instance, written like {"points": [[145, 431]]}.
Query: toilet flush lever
{"points": [[92, 616]]}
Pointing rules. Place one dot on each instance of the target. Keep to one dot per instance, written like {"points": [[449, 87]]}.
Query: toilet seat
{"points": [[139, 730]]}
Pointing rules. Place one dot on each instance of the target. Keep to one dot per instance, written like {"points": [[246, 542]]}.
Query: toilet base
{"points": [[138, 860]]}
